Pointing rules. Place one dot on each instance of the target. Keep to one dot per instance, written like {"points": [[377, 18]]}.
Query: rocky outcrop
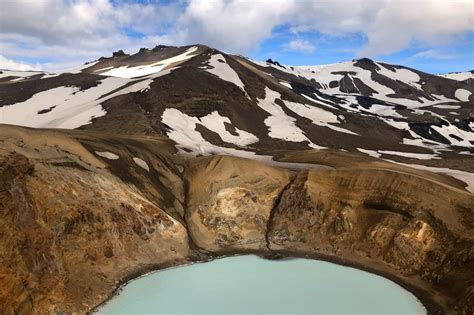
{"points": [[81, 212], [385, 220], [230, 202], [397, 224], [70, 232]]}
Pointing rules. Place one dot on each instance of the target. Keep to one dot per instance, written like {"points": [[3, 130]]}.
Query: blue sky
{"points": [[435, 36], [457, 55]]}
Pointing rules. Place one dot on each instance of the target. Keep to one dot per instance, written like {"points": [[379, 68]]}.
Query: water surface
{"points": [[252, 285]]}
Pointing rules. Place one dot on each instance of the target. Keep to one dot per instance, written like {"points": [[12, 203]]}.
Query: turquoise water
{"points": [[252, 285]]}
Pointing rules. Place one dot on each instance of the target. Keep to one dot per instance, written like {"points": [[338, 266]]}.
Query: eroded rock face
{"points": [[385, 220], [230, 201], [75, 224], [392, 222], [69, 233]]}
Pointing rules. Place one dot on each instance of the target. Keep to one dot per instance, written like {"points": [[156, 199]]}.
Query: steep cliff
{"points": [[82, 212], [71, 230]]}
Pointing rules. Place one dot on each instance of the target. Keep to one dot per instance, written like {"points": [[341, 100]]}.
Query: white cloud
{"points": [[389, 25], [433, 54], [237, 25], [60, 22], [300, 45], [9, 64], [398, 23], [67, 31]]}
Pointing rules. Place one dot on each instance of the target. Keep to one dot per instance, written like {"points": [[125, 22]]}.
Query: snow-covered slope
{"points": [[364, 77], [147, 69], [211, 102], [459, 76], [15, 76], [401, 97]]}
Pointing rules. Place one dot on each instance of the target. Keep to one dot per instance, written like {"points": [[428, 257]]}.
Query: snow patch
{"points": [[317, 115], [316, 101], [188, 139], [462, 95], [183, 130], [383, 110], [69, 107], [372, 153], [19, 75], [107, 155], [286, 84], [465, 136], [447, 106], [458, 76], [221, 69], [73, 70], [215, 122], [280, 125], [419, 156], [141, 163], [403, 75], [324, 74], [103, 69], [140, 71]]}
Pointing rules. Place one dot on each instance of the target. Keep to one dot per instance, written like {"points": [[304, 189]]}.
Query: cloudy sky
{"points": [[432, 35]]}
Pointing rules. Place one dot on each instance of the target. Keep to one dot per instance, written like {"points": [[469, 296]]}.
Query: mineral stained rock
{"points": [[76, 222]]}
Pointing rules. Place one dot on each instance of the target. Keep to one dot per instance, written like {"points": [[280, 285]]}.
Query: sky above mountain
{"points": [[435, 36]]}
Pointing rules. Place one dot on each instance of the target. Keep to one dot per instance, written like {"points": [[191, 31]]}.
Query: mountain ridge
{"points": [[208, 102], [177, 155]]}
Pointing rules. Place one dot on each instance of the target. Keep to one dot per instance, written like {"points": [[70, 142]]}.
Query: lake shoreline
{"points": [[424, 297]]}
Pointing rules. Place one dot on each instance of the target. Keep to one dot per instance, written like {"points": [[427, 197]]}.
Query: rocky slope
{"points": [[209, 101], [81, 212], [73, 224], [183, 154]]}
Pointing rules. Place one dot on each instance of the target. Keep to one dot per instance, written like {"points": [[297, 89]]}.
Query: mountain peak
{"points": [[363, 60], [276, 63], [119, 53]]}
